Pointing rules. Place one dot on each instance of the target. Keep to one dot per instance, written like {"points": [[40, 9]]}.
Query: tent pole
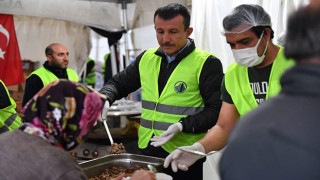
{"points": [[125, 25]]}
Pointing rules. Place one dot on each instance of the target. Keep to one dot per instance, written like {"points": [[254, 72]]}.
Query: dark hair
{"points": [[302, 38], [172, 10], [259, 29], [49, 50]]}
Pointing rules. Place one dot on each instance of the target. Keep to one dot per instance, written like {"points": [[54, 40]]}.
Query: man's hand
{"points": [[167, 135], [104, 112], [183, 160]]}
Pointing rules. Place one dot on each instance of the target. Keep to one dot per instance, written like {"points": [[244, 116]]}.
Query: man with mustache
{"points": [[180, 89], [56, 67]]}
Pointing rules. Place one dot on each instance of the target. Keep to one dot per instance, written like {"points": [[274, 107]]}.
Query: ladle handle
{"points": [[108, 131]]}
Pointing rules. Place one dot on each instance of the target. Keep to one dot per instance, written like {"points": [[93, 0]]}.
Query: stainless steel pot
{"points": [[95, 166]]}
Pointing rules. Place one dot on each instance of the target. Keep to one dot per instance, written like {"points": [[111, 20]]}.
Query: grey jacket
{"points": [[24, 156]]}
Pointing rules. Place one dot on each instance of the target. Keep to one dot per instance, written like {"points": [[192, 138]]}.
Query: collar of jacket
{"points": [[60, 73]]}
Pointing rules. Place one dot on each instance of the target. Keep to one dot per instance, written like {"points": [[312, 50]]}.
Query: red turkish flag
{"points": [[10, 60]]}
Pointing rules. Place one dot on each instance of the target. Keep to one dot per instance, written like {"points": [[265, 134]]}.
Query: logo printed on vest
{"points": [[180, 87]]}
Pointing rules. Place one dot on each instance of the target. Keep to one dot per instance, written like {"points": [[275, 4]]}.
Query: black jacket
{"points": [[211, 77], [4, 98], [34, 84]]}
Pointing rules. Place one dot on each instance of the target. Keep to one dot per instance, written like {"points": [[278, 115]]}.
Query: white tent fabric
{"points": [[103, 15], [207, 16], [39, 23], [57, 20], [35, 34]]}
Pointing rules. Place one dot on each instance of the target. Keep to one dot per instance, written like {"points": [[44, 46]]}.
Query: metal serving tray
{"points": [[95, 166]]}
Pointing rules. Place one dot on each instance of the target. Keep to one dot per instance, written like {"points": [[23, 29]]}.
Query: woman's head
{"points": [[64, 111]]}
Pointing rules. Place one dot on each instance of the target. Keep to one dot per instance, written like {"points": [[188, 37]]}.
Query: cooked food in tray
{"points": [[115, 164], [116, 148], [115, 171]]}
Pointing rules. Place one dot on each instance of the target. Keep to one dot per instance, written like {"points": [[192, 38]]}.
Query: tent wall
{"points": [[144, 35], [104, 15], [35, 34], [207, 16]]}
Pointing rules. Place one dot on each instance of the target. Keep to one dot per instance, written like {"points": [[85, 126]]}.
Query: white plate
{"points": [[163, 176], [159, 176]]}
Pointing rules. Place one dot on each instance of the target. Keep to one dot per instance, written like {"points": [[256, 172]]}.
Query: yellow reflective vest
{"points": [[9, 119], [179, 98], [238, 85], [91, 76], [47, 76]]}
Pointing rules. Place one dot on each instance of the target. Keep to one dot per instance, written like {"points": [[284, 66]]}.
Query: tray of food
{"points": [[112, 165]]}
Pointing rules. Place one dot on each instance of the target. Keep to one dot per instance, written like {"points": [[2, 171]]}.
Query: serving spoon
{"points": [[108, 131], [196, 152]]}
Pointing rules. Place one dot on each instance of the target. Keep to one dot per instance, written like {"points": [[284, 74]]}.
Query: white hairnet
{"points": [[244, 17]]}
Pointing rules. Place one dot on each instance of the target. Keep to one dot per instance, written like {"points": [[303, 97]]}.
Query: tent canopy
{"points": [[41, 22], [103, 14]]}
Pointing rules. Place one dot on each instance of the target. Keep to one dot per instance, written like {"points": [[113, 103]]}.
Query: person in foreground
{"points": [[59, 116], [56, 67], [248, 82], [180, 89], [280, 139]]}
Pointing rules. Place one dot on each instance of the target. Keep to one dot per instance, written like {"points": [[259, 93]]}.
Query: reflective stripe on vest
{"points": [[171, 109], [8, 122], [238, 85], [47, 76], [9, 119], [180, 97], [4, 129], [154, 124]]}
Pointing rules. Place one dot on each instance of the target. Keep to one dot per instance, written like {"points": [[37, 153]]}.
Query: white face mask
{"points": [[249, 57]]}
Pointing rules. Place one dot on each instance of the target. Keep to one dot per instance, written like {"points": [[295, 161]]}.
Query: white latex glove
{"points": [[183, 160], [167, 135], [104, 112]]}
